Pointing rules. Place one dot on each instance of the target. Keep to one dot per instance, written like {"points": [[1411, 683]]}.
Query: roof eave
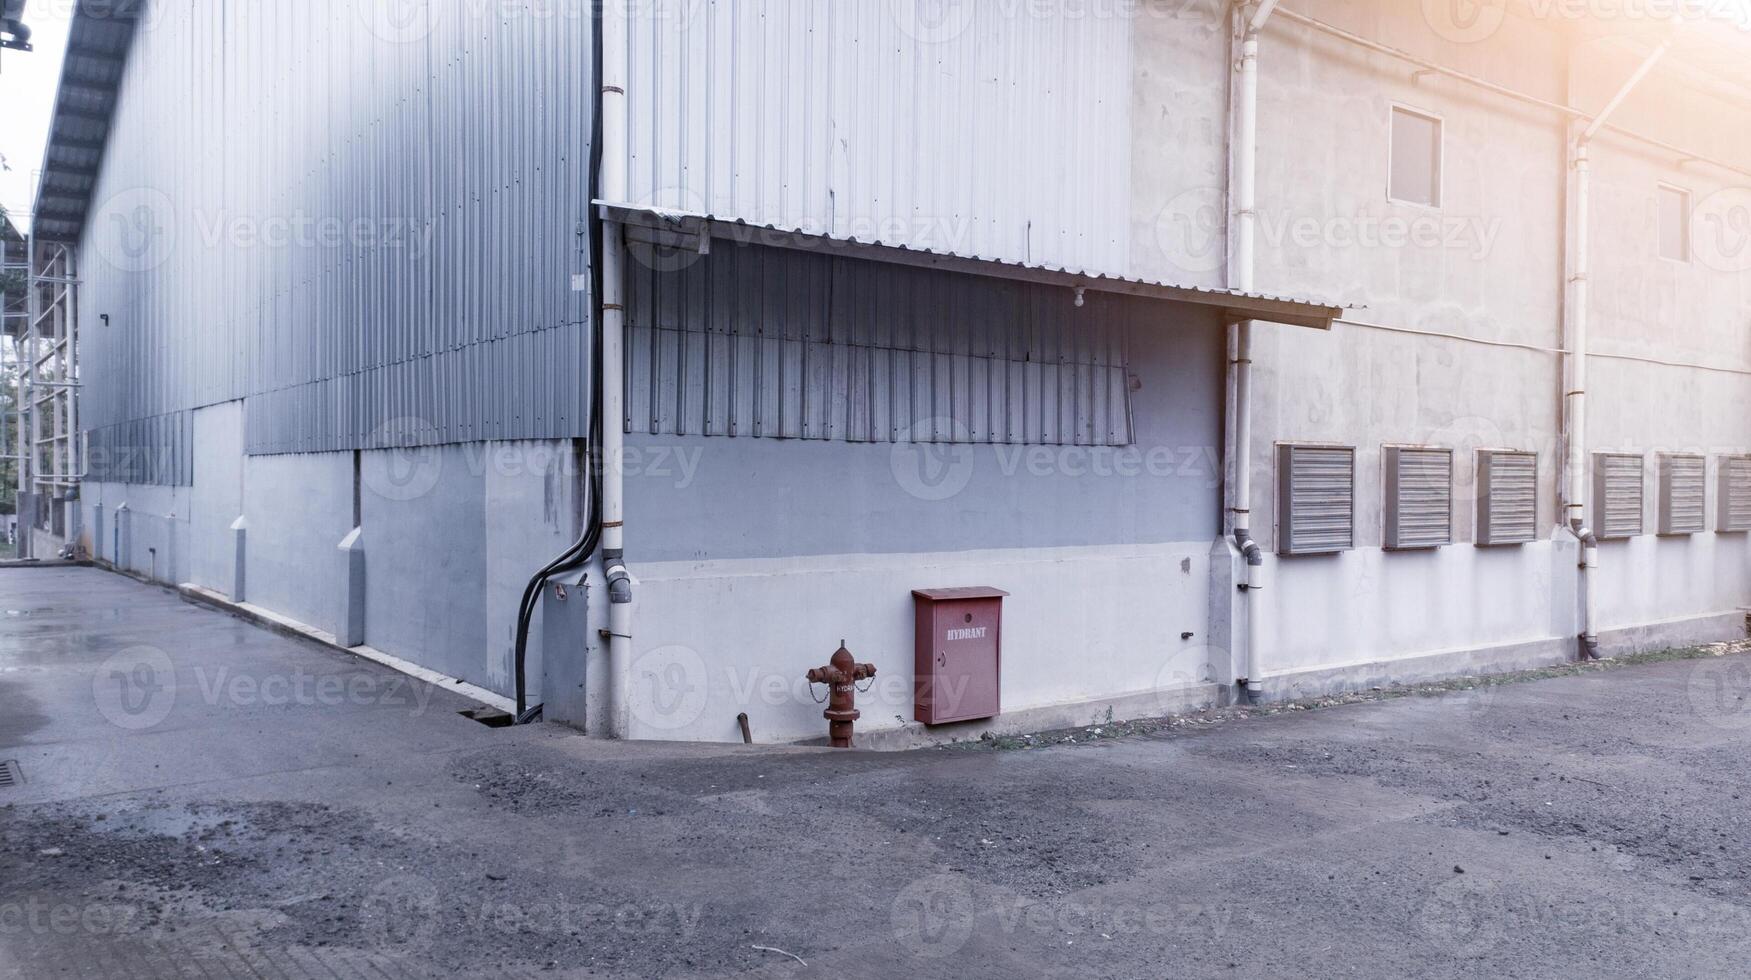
{"points": [[672, 229]]}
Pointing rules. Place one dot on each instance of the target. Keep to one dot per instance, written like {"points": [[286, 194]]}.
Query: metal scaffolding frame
{"points": [[49, 448]]}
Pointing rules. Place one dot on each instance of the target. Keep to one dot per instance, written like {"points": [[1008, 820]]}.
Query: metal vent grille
{"points": [[1316, 499], [1419, 497], [1683, 494], [10, 774], [1735, 493], [1507, 485], [1617, 495]]}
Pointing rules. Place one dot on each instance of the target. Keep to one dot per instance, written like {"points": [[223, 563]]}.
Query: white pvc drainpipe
{"points": [[612, 372], [1246, 238], [1576, 396]]}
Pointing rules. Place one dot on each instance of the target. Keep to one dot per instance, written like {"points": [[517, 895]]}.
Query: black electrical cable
{"points": [[585, 547]]}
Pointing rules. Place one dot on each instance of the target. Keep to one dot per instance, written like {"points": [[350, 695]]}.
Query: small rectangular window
{"points": [[1416, 158], [1419, 497], [1617, 495], [1316, 499], [1735, 494], [1674, 223], [1507, 497]]}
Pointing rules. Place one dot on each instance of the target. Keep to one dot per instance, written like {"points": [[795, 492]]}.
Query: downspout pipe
{"points": [[1245, 258], [611, 373], [1575, 398]]}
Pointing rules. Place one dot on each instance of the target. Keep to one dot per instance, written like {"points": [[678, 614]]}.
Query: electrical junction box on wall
{"points": [[958, 654]]}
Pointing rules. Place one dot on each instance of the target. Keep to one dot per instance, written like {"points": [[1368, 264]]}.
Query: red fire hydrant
{"points": [[840, 675]]}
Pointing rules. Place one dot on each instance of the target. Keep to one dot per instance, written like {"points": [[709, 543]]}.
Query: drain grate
{"points": [[490, 717], [10, 774]]}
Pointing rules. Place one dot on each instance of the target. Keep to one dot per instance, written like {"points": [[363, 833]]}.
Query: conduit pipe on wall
{"points": [[1575, 398], [1251, 21], [610, 371]]}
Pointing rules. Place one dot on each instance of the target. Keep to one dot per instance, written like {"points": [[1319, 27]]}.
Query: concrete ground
{"points": [[202, 798]]}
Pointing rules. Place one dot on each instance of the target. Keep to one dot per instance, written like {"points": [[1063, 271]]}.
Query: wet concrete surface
{"points": [[203, 798]]}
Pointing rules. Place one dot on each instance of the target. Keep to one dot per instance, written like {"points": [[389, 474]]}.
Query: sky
{"points": [[28, 80]]}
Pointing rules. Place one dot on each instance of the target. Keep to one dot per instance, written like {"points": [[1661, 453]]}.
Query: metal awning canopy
{"points": [[683, 230]]}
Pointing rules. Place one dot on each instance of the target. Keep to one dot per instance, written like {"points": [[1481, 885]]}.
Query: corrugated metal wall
{"points": [[992, 129], [365, 218], [765, 342]]}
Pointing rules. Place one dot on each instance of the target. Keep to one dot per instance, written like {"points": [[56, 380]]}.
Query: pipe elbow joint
{"points": [[1584, 534], [1248, 547], [619, 579]]}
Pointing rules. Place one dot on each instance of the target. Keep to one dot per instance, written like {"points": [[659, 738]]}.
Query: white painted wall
{"points": [[1490, 267], [715, 638]]}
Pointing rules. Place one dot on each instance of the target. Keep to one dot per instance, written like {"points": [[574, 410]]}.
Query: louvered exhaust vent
{"points": [[1419, 497], [1507, 497], [1735, 493], [1683, 494], [1316, 499], [1617, 495]]}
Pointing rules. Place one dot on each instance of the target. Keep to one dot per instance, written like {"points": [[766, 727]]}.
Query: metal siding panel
{"points": [[464, 152], [760, 110], [820, 347]]}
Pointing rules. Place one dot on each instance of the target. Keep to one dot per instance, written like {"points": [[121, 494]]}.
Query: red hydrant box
{"points": [[958, 654]]}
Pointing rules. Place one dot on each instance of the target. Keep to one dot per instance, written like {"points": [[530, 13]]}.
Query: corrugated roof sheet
{"points": [[97, 51], [683, 228]]}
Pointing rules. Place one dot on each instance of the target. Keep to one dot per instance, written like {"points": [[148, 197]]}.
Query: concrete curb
{"points": [[274, 622]]}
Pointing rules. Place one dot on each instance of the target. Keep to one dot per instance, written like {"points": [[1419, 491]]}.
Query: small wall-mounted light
{"points": [[1080, 299]]}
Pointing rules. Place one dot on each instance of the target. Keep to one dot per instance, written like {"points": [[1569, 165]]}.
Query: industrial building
{"points": [[1239, 351]]}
